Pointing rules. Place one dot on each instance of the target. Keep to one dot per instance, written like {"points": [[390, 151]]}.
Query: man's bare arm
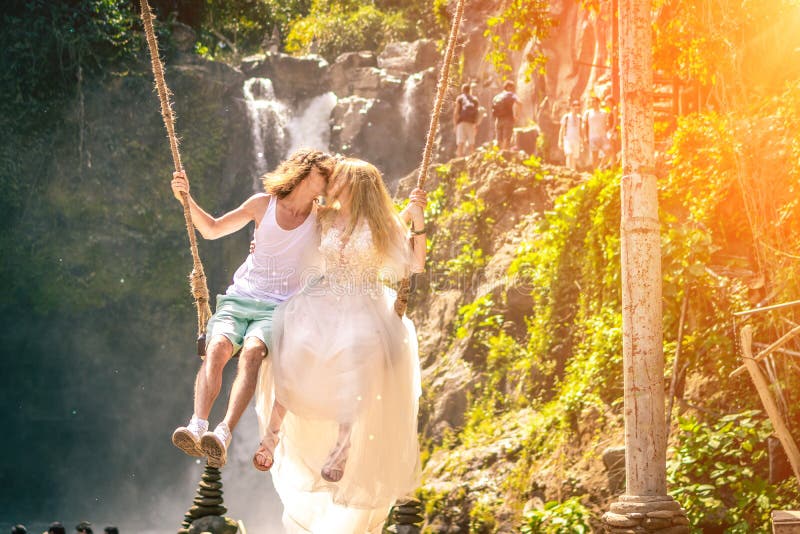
{"points": [[216, 227]]}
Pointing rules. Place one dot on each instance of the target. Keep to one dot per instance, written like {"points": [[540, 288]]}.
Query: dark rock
{"points": [[614, 461], [183, 36], [408, 57], [343, 71], [656, 523], [294, 78], [618, 520], [526, 138], [779, 467], [202, 511], [214, 525]]}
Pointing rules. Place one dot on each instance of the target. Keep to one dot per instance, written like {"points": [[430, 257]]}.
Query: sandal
{"points": [[333, 470], [265, 454]]}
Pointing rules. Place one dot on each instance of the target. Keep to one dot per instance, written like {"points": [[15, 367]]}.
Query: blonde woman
{"points": [[338, 400]]}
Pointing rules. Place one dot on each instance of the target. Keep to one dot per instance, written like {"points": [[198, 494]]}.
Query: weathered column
{"points": [[645, 507]]}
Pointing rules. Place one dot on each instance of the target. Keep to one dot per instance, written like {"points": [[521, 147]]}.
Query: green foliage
{"points": [[458, 214], [718, 472], [572, 268], [338, 27], [528, 20], [230, 29], [568, 517], [45, 44], [737, 48], [482, 517]]}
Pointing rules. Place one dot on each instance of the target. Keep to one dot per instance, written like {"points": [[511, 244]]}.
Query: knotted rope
{"points": [[401, 303], [197, 278]]}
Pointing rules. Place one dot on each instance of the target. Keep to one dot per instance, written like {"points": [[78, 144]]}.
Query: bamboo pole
{"points": [[673, 383], [762, 387], [769, 350]]}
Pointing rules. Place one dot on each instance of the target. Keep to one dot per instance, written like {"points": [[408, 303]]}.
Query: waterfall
{"points": [[277, 130], [409, 93], [268, 118], [310, 126]]}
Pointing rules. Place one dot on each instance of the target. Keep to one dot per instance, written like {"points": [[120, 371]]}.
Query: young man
{"points": [[504, 112], [466, 117], [595, 126], [569, 135], [286, 237]]}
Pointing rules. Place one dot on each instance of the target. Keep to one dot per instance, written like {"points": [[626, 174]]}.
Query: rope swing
{"points": [[197, 278], [401, 303]]}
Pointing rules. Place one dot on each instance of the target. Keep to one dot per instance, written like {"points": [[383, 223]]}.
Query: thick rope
{"points": [[403, 290], [197, 278]]}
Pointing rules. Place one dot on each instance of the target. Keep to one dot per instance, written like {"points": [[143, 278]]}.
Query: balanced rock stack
{"points": [[207, 513], [406, 518]]}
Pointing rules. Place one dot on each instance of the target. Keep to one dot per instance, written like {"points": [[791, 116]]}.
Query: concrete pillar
{"points": [[645, 506]]}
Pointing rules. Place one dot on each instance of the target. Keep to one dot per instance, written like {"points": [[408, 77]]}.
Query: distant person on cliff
{"points": [[595, 132], [286, 241], [504, 111], [466, 117], [569, 135], [56, 527]]}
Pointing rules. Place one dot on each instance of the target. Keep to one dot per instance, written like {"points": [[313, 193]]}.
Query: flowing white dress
{"points": [[342, 355]]}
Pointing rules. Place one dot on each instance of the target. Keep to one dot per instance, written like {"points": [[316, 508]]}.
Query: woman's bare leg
{"points": [[265, 454], [333, 470]]}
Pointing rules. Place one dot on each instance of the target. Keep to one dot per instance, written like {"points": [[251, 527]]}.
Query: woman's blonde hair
{"points": [[369, 201], [295, 169]]}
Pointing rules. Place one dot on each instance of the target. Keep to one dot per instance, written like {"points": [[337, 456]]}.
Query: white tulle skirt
{"points": [[342, 357]]}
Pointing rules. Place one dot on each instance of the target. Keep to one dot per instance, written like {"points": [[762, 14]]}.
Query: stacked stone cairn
{"points": [[405, 518], [208, 510], [637, 517]]}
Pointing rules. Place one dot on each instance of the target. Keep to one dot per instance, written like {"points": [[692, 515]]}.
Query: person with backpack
{"points": [[504, 115], [466, 117]]}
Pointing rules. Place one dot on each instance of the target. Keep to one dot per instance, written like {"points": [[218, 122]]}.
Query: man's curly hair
{"points": [[295, 169]]}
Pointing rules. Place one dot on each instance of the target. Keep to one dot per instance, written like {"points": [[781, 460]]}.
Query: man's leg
{"points": [[244, 385], [209, 377], [215, 444], [206, 388]]}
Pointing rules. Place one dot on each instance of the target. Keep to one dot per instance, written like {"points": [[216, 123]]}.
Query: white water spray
{"points": [[410, 87], [310, 127], [268, 118]]}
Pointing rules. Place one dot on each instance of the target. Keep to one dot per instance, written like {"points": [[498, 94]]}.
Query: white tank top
{"points": [[282, 261]]}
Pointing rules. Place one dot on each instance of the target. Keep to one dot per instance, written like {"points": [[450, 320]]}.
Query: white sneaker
{"points": [[187, 438], [215, 445]]}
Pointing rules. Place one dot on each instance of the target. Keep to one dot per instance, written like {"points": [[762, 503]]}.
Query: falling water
{"points": [[268, 118], [310, 127], [277, 130], [409, 93]]}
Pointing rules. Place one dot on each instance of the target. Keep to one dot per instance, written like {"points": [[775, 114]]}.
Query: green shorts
{"points": [[238, 318]]}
